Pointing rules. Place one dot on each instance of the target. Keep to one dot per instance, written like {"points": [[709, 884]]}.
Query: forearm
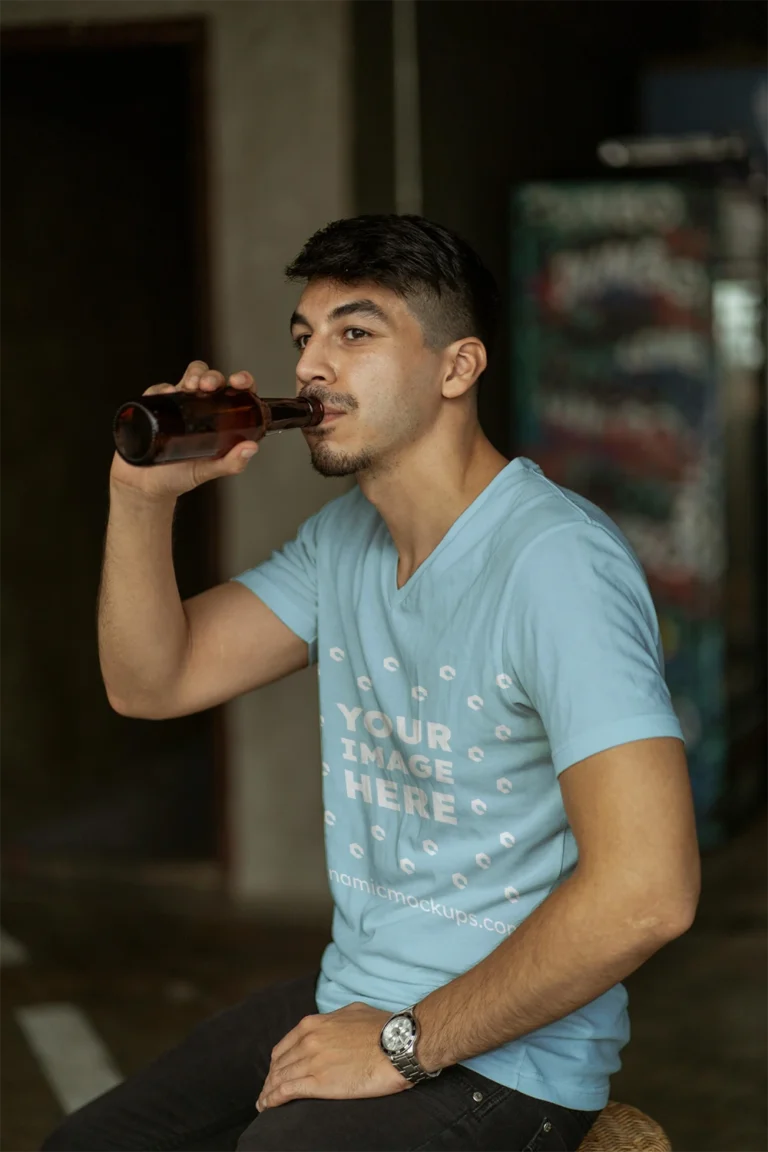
{"points": [[142, 627], [576, 945]]}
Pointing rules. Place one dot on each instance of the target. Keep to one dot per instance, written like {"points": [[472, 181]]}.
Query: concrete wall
{"points": [[280, 167]]}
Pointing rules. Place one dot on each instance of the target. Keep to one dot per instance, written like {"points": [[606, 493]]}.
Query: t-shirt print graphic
{"points": [[404, 764]]}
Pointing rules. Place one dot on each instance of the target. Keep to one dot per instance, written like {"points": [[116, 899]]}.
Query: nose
{"points": [[314, 365]]}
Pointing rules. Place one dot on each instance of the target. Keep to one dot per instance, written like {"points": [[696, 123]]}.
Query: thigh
{"points": [[202, 1093], [459, 1111]]}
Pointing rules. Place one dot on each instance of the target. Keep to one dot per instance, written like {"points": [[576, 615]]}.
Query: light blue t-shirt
{"points": [[524, 643]]}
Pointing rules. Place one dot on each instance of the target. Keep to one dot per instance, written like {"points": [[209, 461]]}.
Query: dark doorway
{"points": [[103, 294]]}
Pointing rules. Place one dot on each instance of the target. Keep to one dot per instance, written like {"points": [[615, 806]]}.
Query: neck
{"points": [[421, 494]]}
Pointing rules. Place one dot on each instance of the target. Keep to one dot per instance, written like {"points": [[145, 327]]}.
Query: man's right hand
{"points": [[168, 481]]}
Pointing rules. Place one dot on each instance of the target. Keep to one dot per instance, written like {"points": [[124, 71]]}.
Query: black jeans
{"points": [[202, 1096]]}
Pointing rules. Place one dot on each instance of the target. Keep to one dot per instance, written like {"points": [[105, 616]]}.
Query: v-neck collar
{"points": [[398, 595]]}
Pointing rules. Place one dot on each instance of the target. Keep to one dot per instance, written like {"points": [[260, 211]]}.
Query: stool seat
{"points": [[622, 1128]]}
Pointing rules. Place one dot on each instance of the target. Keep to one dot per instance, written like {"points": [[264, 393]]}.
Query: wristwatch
{"points": [[398, 1041]]}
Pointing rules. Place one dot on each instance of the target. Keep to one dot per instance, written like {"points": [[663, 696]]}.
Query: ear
{"points": [[467, 360]]}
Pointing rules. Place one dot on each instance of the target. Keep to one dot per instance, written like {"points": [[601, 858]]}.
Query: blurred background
{"points": [[162, 160]]}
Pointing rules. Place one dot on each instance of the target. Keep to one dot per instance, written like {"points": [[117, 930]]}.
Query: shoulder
{"points": [[573, 584], [552, 526], [559, 559]]}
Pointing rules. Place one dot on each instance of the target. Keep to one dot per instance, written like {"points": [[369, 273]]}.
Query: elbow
{"points": [[685, 905], [123, 708], [670, 916], [135, 709], [651, 915], [678, 920]]}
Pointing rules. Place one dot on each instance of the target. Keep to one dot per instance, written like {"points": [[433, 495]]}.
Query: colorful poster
{"points": [[616, 398]]}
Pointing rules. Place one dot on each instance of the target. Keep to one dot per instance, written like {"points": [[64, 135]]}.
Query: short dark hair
{"points": [[442, 279]]}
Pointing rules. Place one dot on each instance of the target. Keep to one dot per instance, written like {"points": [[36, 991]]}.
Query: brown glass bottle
{"points": [[174, 426]]}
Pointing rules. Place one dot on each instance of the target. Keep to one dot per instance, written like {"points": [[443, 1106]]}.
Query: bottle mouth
{"points": [[318, 411], [135, 430]]}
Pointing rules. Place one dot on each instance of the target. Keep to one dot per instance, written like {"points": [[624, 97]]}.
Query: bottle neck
{"points": [[298, 413]]}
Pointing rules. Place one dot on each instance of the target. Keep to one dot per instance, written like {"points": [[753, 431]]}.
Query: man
{"points": [[508, 815]]}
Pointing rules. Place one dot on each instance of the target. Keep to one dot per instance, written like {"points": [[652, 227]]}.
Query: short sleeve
{"points": [[583, 641], [287, 583]]}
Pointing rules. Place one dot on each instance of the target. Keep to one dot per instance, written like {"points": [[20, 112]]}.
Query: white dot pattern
{"points": [[476, 753]]}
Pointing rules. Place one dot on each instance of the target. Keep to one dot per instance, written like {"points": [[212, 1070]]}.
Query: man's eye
{"points": [[299, 341], [354, 333]]}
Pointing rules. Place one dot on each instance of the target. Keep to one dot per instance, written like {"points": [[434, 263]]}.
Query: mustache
{"points": [[329, 399]]}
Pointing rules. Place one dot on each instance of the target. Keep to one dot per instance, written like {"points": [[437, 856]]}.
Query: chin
{"points": [[330, 461]]}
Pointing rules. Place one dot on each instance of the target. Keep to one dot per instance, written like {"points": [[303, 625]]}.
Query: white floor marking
{"points": [[12, 951], [75, 1062]]}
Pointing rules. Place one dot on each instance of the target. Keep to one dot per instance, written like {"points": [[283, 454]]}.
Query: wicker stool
{"points": [[622, 1128]]}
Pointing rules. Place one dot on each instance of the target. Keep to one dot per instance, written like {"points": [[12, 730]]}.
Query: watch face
{"points": [[397, 1034]]}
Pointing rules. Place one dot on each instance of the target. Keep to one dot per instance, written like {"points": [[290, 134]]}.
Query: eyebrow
{"points": [[353, 308]]}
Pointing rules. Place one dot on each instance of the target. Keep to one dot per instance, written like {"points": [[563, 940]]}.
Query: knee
{"points": [[72, 1135], [248, 1141]]}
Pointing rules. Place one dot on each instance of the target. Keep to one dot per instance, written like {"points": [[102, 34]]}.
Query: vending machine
{"points": [[638, 382]]}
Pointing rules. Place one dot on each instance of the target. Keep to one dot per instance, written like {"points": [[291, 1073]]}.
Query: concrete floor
{"points": [[145, 964]]}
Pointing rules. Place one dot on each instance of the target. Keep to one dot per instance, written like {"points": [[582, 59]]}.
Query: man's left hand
{"points": [[334, 1056]]}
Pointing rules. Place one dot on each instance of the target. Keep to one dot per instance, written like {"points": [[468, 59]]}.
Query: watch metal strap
{"points": [[407, 1064]]}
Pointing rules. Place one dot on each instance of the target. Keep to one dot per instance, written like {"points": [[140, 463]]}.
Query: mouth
{"points": [[330, 416]]}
